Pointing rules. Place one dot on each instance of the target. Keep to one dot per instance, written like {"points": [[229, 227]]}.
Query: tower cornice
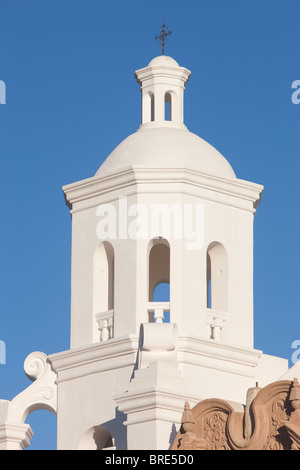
{"points": [[134, 180]]}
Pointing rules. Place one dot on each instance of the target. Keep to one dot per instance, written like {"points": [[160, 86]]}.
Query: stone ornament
{"points": [[269, 421], [293, 424], [15, 434]]}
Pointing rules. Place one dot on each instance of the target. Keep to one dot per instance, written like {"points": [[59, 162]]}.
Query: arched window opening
{"points": [[103, 301], [159, 264], [104, 278], [96, 438], [159, 277], [168, 107], [217, 277], [44, 426], [148, 108]]}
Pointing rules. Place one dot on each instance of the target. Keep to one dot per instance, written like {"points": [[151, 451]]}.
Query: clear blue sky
{"points": [[68, 66]]}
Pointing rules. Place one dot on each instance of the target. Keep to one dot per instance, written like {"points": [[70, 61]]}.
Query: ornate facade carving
{"points": [[269, 421]]}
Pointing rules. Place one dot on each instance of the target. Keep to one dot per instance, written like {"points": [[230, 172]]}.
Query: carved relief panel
{"points": [[270, 421]]}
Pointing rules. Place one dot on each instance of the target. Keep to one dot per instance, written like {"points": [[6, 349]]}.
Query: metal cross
{"points": [[163, 36]]}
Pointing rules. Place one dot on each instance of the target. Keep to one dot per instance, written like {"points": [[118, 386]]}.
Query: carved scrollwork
{"points": [[277, 438], [275, 416], [215, 431], [35, 365], [42, 393], [292, 426]]}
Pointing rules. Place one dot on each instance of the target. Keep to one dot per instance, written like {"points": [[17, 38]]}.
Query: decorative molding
{"points": [[155, 393], [123, 351], [217, 355], [15, 436], [218, 425], [97, 357], [177, 74], [236, 193]]}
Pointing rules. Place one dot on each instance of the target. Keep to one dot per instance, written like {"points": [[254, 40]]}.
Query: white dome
{"points": [[163, 60], [166, 147]]}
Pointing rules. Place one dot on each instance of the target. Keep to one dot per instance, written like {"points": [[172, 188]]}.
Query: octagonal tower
{"points": [[165, 208]]}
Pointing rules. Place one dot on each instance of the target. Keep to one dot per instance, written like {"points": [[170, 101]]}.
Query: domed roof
{"points": [[166, 147], [163, 60], [162, 141]]}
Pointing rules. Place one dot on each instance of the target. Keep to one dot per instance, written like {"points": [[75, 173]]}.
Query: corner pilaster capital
{"points": [[15, 436]]}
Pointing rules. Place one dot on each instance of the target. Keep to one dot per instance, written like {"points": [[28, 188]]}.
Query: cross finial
{"points": [[163, 36]]}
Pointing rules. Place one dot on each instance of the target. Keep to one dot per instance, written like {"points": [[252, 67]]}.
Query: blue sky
{"points": [[68, 66]]}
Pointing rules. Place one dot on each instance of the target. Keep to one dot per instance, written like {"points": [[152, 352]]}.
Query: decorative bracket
{"points": [[42, 394]]}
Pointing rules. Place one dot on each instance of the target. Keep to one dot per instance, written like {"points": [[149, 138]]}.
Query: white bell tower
{"points": [[165, 208]]}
